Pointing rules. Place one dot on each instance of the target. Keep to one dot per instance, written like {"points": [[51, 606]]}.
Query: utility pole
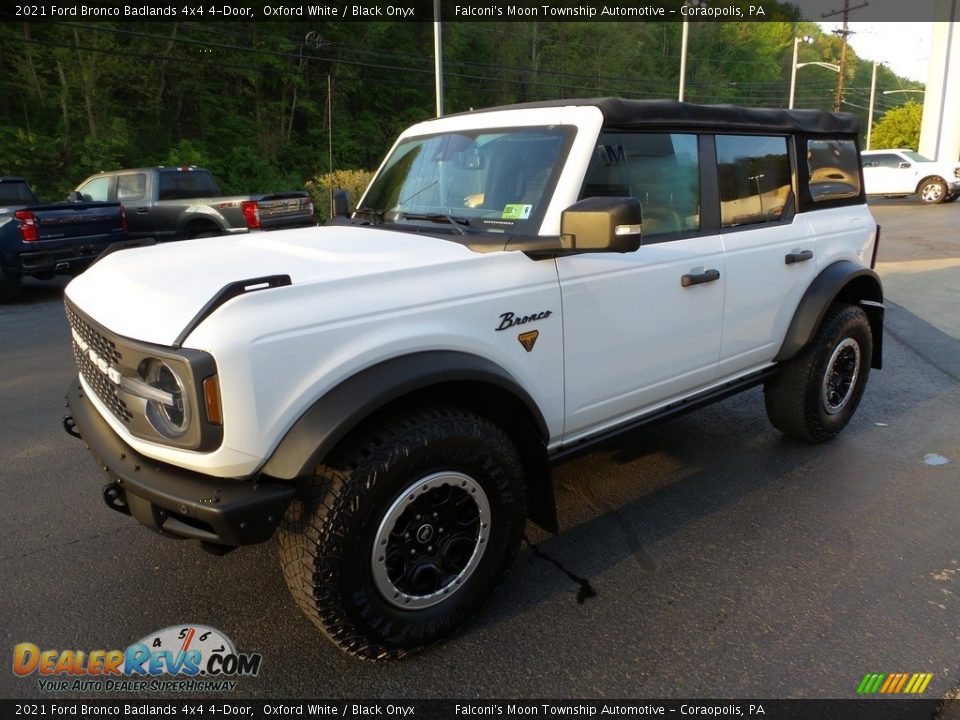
{"points": [[838, 98]]}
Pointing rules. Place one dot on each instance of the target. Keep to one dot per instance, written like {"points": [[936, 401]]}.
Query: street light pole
{"points": [[873, 95], [684, 35], [438, 56], [793, 67]]}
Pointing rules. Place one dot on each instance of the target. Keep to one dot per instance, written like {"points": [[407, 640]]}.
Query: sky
{"points": [[904, 46]]}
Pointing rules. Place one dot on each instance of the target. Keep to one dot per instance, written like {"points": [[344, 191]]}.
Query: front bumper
{"points": [[224, 512]]}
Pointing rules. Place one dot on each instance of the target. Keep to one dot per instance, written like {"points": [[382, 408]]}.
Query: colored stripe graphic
{"points": [[894, 683]]}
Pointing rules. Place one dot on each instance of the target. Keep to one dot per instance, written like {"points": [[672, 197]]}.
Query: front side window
{"points": [[661, 170], [834, 171], [97, 190], [755, 179], [916, 157], [494, 181]]}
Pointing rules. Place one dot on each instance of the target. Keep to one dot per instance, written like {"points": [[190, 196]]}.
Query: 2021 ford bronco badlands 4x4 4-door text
{"points": [[388, 392]]}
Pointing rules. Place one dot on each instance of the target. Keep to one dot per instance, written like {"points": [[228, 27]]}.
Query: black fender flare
{"points": [[842, 281], [330, 418]]}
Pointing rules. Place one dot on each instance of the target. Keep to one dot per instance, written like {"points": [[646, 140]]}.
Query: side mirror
{"points": [[602, 224], [904, 165], [341, 203], [75, 196]]}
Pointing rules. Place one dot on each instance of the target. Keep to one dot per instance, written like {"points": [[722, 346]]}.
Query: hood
{"points": [[150, 294]]}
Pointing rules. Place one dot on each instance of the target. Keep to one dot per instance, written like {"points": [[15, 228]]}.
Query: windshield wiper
{"points": [[457, 223], [375, 215]]}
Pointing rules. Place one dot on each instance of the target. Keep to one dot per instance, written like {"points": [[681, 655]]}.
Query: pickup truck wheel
{"points": [[9, 286], [817, 392], [399, 539], [933, 190]]}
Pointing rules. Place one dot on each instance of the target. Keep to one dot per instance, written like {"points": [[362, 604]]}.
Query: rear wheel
{"points": [[817, 392], [933, 190], [401, 537]]}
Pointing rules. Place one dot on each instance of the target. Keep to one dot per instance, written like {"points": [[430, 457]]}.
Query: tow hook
{"points": [[70, 425], [113, 497]]}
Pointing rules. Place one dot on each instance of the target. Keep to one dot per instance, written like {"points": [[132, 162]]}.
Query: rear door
{"points": [[882, 175], [131, 192], [642, 327], [770, 251]]}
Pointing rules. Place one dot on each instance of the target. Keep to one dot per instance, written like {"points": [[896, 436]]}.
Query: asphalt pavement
{"points": [[727, 561]]}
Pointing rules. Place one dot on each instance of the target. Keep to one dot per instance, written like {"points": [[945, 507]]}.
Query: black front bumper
{"points": [[176, 502]]}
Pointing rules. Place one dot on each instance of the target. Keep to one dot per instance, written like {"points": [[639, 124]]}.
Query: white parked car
{"points": [[898, 173], [387, 393]]}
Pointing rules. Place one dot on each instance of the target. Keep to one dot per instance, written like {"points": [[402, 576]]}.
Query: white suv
{"points": [[517, 285], [898, 173]]}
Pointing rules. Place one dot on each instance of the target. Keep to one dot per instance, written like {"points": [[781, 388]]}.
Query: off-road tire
{"points": [[327, 537], [800, 400]]}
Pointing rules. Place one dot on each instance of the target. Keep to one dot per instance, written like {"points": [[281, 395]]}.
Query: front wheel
{"points": [[401, 537], [818, 391], [933, 190]]}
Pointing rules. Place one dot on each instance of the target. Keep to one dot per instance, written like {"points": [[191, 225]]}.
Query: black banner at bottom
{"points": [[872, 709]]}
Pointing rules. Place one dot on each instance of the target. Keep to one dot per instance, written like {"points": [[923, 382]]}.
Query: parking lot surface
{"points": [[726, 560]]}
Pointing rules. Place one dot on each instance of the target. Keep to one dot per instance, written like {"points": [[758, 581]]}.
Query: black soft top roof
{"points": [[622, 113]]}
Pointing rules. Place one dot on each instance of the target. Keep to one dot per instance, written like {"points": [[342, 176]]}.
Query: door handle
{"points": [[798, 256], [699, 278], [142, 210]]}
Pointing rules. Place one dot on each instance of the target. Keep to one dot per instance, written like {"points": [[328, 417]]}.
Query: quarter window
{"points": [[834, 172], [755, 179], [661, 170]]}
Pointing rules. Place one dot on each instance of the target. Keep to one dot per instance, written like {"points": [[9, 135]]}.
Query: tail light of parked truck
{"points": [[28, 225], [251, 213]]}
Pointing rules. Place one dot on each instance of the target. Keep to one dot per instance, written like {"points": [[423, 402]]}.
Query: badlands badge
{"points": [[179, 658]]}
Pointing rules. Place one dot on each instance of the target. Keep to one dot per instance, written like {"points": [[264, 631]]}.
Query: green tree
{"points": [[898, 128]]}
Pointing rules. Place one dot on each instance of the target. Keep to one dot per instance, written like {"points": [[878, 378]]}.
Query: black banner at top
{"points": [[464, 10]]}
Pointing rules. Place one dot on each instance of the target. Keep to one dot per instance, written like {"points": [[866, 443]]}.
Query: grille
{"points": [[101, 344], [104, 347]]}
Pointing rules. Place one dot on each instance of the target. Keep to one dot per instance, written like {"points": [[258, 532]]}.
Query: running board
{"points": [[681, 407]]}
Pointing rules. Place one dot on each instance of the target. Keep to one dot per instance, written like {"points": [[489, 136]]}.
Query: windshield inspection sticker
{"points": [[516, 212]]}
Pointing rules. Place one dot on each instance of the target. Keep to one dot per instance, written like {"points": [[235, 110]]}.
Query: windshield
{"points": [[496, 181], [916, 157]]}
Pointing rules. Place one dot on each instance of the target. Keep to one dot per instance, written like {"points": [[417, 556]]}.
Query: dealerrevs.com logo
{"points": [[179, 658]]}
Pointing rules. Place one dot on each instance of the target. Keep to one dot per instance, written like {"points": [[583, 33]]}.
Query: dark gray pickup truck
{"points": [[46, 240], [179, 203]]}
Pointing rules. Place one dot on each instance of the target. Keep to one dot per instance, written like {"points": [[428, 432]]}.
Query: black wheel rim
{"points": [[841, 375], [431, 540]]}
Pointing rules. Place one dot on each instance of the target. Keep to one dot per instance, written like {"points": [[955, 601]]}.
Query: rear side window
{"points": [[185, 185], [755, 179], [834, 170], [132, 186], [887, 160], [661, 170], [16, 193]]}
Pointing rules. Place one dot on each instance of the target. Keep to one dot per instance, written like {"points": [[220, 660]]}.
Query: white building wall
{"points": [[940, 128]]}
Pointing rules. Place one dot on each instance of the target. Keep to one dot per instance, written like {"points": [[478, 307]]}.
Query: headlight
{"points": [[171, 416]]}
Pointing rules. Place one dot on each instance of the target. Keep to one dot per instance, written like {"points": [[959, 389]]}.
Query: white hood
{"points": [[151, 293]]}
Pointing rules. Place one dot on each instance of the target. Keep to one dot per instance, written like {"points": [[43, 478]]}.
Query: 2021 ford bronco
{"points": [[387, 393]]}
